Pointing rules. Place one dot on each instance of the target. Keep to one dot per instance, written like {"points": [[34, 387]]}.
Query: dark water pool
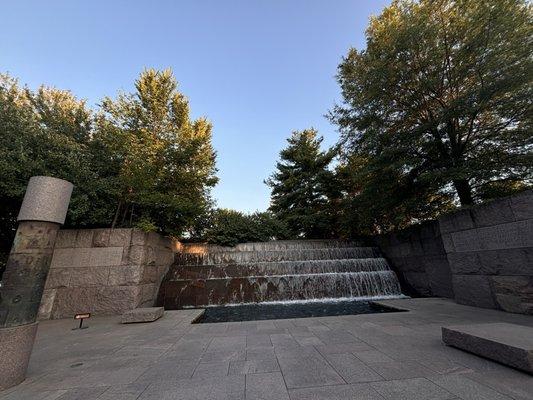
{"points": [[254, 312]]}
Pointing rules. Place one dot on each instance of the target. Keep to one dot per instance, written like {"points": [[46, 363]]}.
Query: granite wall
{"points": [[481, 256], [490, 252], [419, 258], [105, 271]]}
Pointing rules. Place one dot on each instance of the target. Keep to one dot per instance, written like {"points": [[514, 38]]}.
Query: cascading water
{"points": [[276, 271]]}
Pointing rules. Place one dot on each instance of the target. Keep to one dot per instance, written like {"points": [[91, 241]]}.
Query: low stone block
{"points": [[509, 344], [147, 314]]}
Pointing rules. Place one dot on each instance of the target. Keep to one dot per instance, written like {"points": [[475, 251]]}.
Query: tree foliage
{"points": [[229, 227], [303, 187], [436, 108], [164, 161], [137, 160], [46, 132]]}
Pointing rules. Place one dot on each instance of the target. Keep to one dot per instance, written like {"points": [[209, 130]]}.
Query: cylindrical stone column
{"points": [[43, 210]]}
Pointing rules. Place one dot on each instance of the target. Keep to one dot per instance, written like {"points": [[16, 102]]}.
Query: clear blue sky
{"points": [[258, 69]]}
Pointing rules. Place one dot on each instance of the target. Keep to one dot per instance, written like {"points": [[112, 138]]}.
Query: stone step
{"points": [[175, 294], [272, 245], [146, 314], [239, 257], [509, 344], [276, 268]]}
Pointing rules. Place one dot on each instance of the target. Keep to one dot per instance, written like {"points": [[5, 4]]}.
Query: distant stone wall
{"points": [[486, 251], [419, 258], [105, 271]]}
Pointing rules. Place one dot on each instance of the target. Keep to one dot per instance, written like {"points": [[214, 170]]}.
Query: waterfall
{"points": [[276, 271]]}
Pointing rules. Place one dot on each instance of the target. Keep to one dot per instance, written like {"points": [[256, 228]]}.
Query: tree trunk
{"points": [[464, 191], [114, 223]]}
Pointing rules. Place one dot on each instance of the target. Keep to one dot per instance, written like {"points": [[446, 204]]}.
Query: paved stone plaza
{"points": [[375, 356]]}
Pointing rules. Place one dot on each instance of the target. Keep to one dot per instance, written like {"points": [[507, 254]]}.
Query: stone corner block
{"points": [[147, 314]]}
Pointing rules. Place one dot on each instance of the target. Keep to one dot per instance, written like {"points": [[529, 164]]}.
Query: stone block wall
{"points": [[105, 271], [420, 260], [481, 256], [490, 252]]}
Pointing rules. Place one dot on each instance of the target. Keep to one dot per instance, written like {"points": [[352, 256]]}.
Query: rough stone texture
{"points": [[473, 290], [146, 314], [492, 260], [46, 199], [509, 344], [16, 346], [481, 256], [104, 271], [419, 258]]}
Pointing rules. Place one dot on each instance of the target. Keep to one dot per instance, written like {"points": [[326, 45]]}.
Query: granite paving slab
{"points": [[365, 357]]}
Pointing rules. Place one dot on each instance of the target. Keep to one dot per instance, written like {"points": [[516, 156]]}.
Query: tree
{"points": [[438, 105], [164, 161], [137, 161], [229, 227], [44, 132], [303, 186]]}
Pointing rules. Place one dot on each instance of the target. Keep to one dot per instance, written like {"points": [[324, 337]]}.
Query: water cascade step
{"points": [[291, 270]]}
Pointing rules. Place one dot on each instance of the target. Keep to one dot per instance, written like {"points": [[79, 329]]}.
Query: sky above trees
{"points": [[257, 69]]}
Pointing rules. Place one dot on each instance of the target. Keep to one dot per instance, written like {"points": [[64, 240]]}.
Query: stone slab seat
{"points": [[509, 344], [146, 314]]}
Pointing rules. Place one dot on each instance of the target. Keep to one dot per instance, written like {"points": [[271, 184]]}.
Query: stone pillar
{"points": [[43, 210]]}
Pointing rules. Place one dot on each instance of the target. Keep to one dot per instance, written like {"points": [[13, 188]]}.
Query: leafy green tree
{"points": [[438, 106], [230, 227], [164, 161], [303, 187], [138, 161], [43, 132]]}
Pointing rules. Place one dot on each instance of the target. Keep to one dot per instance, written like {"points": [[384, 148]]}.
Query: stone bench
{"points": [[508, 344], [147, 314]]}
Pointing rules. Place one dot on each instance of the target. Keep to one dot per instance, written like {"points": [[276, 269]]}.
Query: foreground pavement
{"points": [[358, 357]]}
